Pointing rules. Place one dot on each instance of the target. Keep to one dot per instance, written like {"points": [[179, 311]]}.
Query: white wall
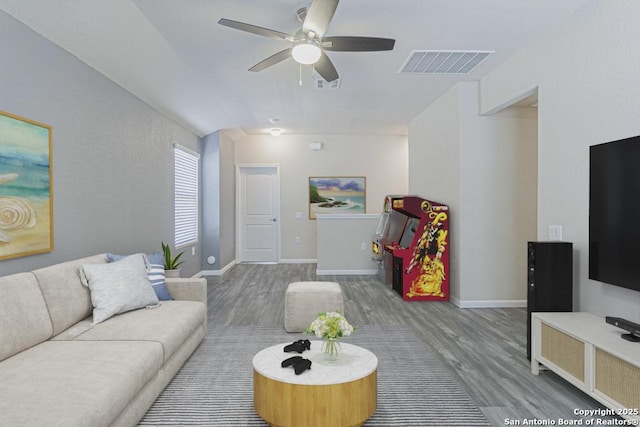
{"points": [[484, 168], [434, 168], [344, 244], [382, 159], [498, 199], [588, 76]]}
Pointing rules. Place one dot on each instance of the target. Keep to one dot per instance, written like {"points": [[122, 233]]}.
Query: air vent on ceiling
{"points": [[320, 83], [443, 61]]}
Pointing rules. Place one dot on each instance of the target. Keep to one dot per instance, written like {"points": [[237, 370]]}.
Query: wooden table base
{"points": [[346, 404]]}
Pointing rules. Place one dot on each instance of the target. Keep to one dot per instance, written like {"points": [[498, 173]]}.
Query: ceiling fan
{"points": [[309, 43]]}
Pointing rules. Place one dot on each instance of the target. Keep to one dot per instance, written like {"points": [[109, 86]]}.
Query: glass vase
{"points": [[331, 347]]}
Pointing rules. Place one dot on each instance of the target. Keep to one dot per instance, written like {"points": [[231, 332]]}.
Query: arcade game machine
{"points": [[411, 247], [389, 226]]}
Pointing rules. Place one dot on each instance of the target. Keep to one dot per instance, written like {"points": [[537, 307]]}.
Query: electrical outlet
{"points": [[298, 215], [363, 246], [297, 240]]}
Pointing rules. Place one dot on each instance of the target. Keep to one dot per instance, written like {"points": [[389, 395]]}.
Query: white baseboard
{"points": [[216, 272], [346, 272], [297, 261], [488, 303]]}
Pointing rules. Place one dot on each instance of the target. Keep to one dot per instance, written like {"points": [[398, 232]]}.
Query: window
{"points": [[186, 196]]}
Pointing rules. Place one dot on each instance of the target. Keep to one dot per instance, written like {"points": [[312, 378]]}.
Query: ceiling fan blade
{"points": [[325, 68], [357, 44], [254, 29], [272, 60], [319, 16]]}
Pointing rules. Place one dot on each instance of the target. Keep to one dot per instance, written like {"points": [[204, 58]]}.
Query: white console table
{"points": [[589, 353]]}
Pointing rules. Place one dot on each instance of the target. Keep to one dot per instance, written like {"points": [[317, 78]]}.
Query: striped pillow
{"points": [[155, 273]]}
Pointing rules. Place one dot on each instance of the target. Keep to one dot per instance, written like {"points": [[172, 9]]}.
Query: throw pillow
{"points": [[155, 272], [156, 258], [118, 287]]}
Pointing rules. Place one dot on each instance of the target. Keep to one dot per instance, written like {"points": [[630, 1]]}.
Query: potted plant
{"points": [[171, 263]]}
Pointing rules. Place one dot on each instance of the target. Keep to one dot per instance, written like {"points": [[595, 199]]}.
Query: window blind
{"points": [[186, 169]]}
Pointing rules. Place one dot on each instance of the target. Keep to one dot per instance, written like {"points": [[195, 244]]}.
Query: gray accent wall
{"points": [[228, 201], [210, 206], [218, 201], [112, 153]]}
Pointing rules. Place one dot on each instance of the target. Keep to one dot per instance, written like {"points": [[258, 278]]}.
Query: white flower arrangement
{"points": [[330, 325]]}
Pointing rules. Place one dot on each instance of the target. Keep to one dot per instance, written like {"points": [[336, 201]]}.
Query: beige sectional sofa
{"points": [[107, 376]]}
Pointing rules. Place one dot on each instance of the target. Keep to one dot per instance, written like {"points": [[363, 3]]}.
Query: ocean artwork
{"points": [[337, 195], [26, 208]]}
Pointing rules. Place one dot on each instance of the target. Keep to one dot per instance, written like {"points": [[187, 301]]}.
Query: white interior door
{"points": [[258, 210]]}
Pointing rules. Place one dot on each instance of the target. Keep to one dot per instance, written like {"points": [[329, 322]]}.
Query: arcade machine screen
{"points": [[409, 232], [397, 223]]}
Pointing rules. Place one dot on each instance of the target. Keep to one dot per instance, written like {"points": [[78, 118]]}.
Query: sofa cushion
{"points": [[167, 324], [67, 299], [118, 287], [72, 383], [24, 319]]}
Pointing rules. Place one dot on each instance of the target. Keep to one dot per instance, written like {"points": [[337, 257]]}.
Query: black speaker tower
{"points": [[549, 280]]}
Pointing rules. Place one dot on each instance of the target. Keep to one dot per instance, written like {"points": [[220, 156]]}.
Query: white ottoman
{"points": [[304, 300]]}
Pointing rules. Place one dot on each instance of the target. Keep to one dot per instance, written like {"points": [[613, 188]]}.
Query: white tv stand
{"points": [[589, 353]]}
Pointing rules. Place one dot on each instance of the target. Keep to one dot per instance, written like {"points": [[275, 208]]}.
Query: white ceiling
{"points": [[174, 55]]}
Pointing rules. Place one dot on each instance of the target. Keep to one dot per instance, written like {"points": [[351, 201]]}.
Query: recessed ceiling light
{"points": [[273, 120]]}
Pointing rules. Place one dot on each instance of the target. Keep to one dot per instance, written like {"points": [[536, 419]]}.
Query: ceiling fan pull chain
{"points": [[300, 78]]}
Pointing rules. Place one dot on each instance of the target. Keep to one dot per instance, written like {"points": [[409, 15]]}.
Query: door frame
{"points": [[240, 167]]}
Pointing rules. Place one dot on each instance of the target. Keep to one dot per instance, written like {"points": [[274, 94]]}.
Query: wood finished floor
{"points": [[483, 349]]}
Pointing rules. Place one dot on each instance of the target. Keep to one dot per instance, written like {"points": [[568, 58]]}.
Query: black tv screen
{"points": [[614, 213]]}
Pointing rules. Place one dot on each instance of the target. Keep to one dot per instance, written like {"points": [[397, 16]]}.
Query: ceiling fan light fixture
{"points": [[276, 132], [306, 52]]}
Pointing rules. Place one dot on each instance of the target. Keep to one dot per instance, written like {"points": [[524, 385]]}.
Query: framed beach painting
{"points": [[337, 195], [26, 199]]}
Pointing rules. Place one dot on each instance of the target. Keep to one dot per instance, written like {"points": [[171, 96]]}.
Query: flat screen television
{"points": [[614, 213]]}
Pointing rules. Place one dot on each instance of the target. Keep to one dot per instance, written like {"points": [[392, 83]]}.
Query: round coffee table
{"points": [[338, 391]]}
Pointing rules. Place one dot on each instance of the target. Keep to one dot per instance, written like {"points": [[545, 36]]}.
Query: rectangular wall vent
{"points": [[320, 83], [443, 61]]}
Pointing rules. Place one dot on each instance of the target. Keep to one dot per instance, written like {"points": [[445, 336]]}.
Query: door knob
{"points": [[272, 220]]}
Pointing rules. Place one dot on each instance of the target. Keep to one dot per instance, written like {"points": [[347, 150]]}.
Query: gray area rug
{"points": [[215, 386]]}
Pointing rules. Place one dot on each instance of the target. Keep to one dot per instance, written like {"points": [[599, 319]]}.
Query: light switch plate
{"points": [[555, 232]]}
